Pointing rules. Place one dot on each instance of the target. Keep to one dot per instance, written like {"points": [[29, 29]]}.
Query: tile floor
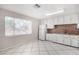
{"points": [[37, 47]]}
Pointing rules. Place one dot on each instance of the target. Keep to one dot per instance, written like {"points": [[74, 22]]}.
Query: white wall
{"points": [[6, 42]]}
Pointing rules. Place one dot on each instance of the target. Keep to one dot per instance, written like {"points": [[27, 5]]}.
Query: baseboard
{"points": [[63, 44]]}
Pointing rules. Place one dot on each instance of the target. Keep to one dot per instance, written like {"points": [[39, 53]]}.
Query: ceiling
{"points": [[40, 13]]}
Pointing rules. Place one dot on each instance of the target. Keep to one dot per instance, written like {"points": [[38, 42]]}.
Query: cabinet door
{"points": [[55, 38], [67, 20], [64, 41], [60, 20], [52, 37], [60, 39], [55, 21], [48, 37], [67, 40], [74, 18], [75, 41]]}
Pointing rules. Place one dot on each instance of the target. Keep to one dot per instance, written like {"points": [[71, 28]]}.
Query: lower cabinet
{"points": [[60, 39], [75, 41], [64, 39], [48, 37], [67, 40], [51, 37], [54, 38]]}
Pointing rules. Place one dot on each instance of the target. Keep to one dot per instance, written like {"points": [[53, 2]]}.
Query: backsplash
{"points": [[64, 29]]}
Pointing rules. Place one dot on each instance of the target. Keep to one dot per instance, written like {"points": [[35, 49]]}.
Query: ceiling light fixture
{"points": [[57, 12], [37, 6]]}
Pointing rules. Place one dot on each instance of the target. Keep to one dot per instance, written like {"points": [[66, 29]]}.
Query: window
{"points": [[16, 26], [9, 26], [23, 27]]}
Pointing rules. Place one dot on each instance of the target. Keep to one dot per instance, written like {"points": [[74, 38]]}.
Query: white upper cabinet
{"points": [[55, 21], [66, 20], [71, 19], [74, 18], [60, 20]]}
